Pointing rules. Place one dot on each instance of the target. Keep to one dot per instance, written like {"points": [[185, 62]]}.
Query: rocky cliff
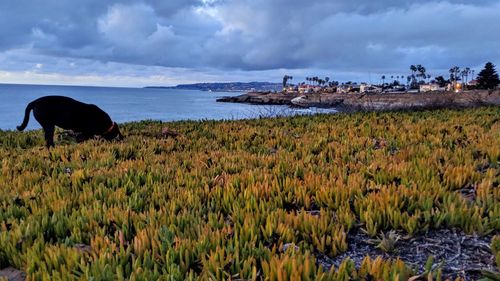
{"points": [[375, 102]]}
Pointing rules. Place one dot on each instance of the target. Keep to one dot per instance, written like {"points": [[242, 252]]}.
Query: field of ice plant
{"points": [[253, 199]]}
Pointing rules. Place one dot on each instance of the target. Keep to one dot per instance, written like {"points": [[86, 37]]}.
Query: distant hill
{"points": [[226, 87]]}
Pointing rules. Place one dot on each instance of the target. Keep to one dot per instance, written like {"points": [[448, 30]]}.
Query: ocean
{"points": [[135, 104]]}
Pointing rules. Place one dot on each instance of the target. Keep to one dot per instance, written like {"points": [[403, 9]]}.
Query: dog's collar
{"points": [[110, 128]]}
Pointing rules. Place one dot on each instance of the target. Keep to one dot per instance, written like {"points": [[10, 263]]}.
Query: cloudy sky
{"points": [[151, 42]]}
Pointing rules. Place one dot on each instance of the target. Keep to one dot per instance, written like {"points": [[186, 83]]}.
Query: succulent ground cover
{"points": [[268, 199]]}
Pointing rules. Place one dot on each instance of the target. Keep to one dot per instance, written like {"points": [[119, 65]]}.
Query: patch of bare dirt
{"points": [[456, 253], [12, 274]]}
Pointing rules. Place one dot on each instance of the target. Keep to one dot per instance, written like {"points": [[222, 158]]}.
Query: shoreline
{"points": [[372, 102]]}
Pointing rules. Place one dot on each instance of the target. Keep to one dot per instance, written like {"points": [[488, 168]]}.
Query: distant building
{"points": [[472, 83], [430, 87], [348, 88], [330, 89], [290, 89], [369, 89], [395, 89], [316, 89], [305, 89]]}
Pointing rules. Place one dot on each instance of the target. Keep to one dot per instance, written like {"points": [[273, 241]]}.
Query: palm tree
{"points": [[454, 73], [467, 72], [413, 69], [421, 71], [463, 76], [285, 80], [383, 80]]}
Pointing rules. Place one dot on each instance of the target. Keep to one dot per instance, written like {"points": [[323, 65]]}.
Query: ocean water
{"points": [[135, 104]]}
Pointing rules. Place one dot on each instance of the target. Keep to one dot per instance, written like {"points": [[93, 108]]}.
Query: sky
{"points": [[134, 43]]}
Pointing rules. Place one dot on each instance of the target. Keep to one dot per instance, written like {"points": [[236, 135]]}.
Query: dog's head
{"points": [[113, 133]]}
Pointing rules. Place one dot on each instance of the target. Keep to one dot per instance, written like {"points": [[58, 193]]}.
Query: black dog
{"points": [[67, 113]]}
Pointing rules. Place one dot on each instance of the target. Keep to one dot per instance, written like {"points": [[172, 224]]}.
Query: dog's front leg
{"points": [[49, 135]]}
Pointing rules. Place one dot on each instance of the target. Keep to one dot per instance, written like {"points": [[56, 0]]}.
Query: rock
{"points": [[300, 101], [261, 98], [373, 102], [314, 212], [166, 132], [288, 245], [82, 248], [272, 150], [13, 274]]}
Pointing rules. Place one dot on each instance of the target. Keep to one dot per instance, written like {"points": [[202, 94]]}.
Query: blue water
{"points": [[134, 104]]}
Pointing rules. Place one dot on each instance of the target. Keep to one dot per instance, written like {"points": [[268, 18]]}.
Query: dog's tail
{"points": [[26, 117]]}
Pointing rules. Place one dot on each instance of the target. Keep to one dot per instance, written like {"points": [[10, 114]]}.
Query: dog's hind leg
{"points": [[49, 135]]}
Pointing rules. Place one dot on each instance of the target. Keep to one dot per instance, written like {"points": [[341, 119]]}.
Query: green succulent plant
{"points": [[221, 199]]}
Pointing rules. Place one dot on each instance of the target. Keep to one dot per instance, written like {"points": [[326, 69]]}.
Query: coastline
{"points": [[373, 102]]}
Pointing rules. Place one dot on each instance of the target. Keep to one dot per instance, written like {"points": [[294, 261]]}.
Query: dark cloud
{"points": [[335, 35], [251, 35]]}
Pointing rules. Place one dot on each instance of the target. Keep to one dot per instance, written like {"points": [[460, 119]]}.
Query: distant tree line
{"points": [[317, 81], [486, 79]]}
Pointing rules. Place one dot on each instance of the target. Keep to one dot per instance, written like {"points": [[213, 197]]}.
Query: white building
{"points": [[430, 88], [369, 89], [348, 88]]}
